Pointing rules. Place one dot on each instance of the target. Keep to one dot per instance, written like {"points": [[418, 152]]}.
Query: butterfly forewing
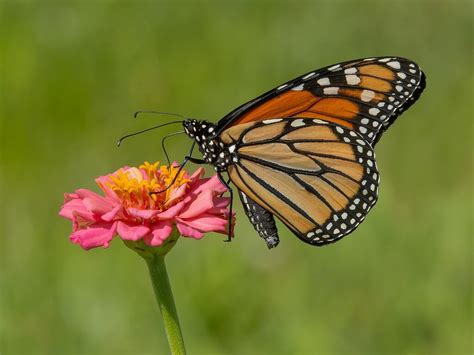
{"points": [[317, 177], [363, 95]]}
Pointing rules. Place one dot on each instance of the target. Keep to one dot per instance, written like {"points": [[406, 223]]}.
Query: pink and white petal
{"points": [[159, 233], [145, 214], [94, 237], [201, 204], [187, 231], [134, 233]]}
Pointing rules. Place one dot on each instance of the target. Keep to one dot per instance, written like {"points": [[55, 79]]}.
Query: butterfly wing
{"points": [[364, 95], [317, 177]]}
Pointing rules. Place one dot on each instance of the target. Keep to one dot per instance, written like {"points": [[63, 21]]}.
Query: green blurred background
{"points": [[71, 77]]}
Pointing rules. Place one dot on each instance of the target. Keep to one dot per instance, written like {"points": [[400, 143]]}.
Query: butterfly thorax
{"points": [[213, 150]]}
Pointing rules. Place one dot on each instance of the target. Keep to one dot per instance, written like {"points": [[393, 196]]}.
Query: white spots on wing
{"points": [[282, 86], [335, 67], [361, 142], [362, 129], [340, 130], [273, 120], [375, 123], [394, 64], [367, 95], [390, 107], [413, 71], [319, 121], [350, 71], [401, 75], [384, 60], [364, 120], [360, 149], [324, 81], [412, 65], [381, 104], [352, 79], [368, 59], [399, 88], [391, 99], [297, 123], [413, 81], [232, 148], [310, 234], [310, 75], [298, 88], [374, 111], [331, 90]]}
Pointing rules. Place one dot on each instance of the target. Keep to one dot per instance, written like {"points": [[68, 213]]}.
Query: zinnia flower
{"points": [[193, 204]]}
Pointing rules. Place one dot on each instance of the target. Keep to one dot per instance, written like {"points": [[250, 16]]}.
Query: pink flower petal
{"points": [[94, 237], [176, 194], [212, 183], [199, 173], [134, 233], [102, 181], [172, 211], [187, 231], [145, 214], [109, 216], [206, 223], [72, 205], [160, 232], [98, 206], [202, 203]]}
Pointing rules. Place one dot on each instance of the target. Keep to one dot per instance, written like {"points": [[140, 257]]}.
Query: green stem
{"points": [[164, 297]]}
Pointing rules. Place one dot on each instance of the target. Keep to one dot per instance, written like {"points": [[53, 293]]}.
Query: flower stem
{"points": [[164, 297]]}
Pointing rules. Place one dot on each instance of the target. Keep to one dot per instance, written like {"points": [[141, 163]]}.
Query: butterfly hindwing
{"points": [[364, 95], [317, 177]]}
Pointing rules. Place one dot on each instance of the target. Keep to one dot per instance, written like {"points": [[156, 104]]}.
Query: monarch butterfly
{"points": [[303, 152]]}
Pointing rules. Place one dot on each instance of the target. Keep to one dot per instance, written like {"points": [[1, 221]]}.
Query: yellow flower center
{"points": [[135, 187]]}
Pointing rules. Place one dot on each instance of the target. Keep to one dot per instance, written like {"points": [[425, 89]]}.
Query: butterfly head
{"points": [[213, 150]]}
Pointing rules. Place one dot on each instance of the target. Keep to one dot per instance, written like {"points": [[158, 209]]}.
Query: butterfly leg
{"points": [[229, 223]]}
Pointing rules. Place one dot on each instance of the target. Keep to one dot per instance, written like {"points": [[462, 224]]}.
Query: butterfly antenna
{"points": [[163, 144], [119, 142], [177, 173], [135, 115]]}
